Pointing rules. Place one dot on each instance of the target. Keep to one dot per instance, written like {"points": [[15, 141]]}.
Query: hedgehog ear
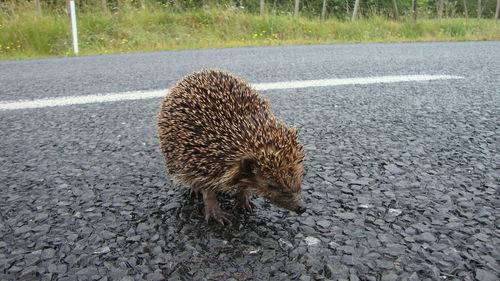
{"points": [[248, 165]]}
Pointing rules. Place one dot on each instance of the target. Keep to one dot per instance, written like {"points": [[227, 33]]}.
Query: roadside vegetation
{"points": [[30, 29]]}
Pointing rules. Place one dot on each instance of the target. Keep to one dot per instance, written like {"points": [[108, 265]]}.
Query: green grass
{"points": [[24, 33]]}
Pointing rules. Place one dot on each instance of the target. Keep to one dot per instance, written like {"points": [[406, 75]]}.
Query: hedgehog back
{"points": [[205, 122]]}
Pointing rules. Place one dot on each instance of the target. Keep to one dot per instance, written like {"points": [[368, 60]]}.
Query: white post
{"points": [[355, 11], [73, 25]]}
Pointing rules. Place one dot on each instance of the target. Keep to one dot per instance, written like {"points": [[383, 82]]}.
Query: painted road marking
{"points": [[141, 95]]}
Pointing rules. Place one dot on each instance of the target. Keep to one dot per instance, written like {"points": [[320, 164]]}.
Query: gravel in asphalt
{"points": [[401, 184]]}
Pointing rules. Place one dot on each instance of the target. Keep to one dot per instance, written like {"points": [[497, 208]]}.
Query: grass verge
{"points": [[25, 33]]}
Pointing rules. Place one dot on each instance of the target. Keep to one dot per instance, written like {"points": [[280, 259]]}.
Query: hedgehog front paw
{"points": [[217, 214], [243, 202], [213, 210]]}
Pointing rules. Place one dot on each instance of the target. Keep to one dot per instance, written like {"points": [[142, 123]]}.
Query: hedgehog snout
{"points": [[288, 202]]}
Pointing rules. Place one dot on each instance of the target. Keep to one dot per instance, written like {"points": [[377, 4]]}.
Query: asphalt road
{"points": [[402, 178]]}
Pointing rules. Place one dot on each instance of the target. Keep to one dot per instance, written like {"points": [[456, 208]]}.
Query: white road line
{"points": [[352, 81], [140, 95]]}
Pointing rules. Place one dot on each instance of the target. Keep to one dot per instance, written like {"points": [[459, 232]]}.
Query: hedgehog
{"points": [[218, 135]]}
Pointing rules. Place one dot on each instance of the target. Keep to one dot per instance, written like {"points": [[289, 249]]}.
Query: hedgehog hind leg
{"points": [[195, 192], [243, 202], [213, 210]]}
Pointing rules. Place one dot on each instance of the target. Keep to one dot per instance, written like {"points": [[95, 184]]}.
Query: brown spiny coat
{"points": [[218, 133]]}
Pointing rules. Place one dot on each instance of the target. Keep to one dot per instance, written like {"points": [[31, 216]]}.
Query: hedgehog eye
{"points": [[248, 164]]}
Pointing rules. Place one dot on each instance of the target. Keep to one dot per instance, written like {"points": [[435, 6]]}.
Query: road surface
{"points": [[402, 177]]}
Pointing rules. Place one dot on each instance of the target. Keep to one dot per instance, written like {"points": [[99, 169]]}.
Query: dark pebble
{"points": [[134, 238], [324, 223], [346, 216], [57, 268], [393, 169], [349, 260], [353, 277], [47, 253], [484, 275], [33, 257], [328, 271], [21, 230], [71, 259], [267, 255], [155, 277], [385, 264], [425, 237], [88, 271], [29, 271], [285, 244], [304, 277], [41, 216], [390, 276]]}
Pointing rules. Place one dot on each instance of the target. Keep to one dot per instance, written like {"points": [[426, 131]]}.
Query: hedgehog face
{"points": [[281, 196], [281, 187]]}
